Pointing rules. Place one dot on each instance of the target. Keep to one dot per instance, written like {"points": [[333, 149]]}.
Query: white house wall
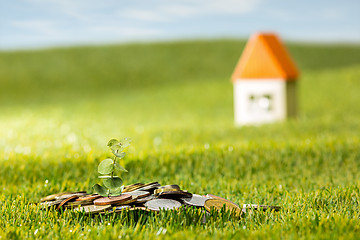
{"points": [[259, 101]]}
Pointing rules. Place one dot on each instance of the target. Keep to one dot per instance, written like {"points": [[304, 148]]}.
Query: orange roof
{"points": [[265, 56]]}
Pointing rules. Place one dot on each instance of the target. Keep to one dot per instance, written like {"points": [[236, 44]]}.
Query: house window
{"points": [[261, 103], [265, 102]]}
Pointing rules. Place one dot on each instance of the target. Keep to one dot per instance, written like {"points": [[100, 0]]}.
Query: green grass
{"points": [[59, 107]]}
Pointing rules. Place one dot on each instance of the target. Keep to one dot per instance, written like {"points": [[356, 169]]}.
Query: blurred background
{"points": [[75, 73]]}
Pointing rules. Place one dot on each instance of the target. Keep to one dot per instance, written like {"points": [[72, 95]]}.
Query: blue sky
{"points": [[44, 23]]}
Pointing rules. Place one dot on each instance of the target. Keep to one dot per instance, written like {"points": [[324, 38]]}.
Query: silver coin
{"points": [[195, 200], [144, 199], [150, 187], [165, 204], [138, 194]]}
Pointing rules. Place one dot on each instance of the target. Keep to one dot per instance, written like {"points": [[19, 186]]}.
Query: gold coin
{"points": [[77, 203], [220, 203], [171, 186], [49, 204], [160, 190], [133, 187], [217, 197], [93, 208]]}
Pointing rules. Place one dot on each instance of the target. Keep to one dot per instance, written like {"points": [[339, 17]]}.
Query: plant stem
{"points": [[112, 173]]}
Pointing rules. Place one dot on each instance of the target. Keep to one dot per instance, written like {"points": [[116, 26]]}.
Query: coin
{"points": [[195, 200], [65, 196], [160, 190], [52, 196], [63, 202], [260, 207], [48, 204], [56, 195], [78, 203], [145, 199], [217, 197], [151, 183], [112, 200], [220, 203], [165, 204], [171, 186], [127, 202], [133, 188], [92, 208], [89, 197], [149, 186], [138, 194], [174, 194]]}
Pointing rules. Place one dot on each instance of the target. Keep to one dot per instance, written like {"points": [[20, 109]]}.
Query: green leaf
{"points": [[112, 183], [120, 168], [100, 190], [117, 191], [106, 166], [119, 146], [112, 142], [125, 142], [115, 145], [119, 154]]}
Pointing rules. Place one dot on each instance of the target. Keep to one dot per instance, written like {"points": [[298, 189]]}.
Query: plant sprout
{"points": [[109, 167]]}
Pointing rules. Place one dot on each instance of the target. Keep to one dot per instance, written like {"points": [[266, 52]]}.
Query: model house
{"points": [[264, 82]]}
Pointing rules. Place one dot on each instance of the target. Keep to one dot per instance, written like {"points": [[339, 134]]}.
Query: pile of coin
{"points": [[148, 197]]}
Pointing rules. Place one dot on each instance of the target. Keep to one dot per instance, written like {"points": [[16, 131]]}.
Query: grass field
{"points": [[59, 107]]}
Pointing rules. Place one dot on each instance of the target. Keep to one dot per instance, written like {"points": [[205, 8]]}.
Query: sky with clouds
{"points": [[44, 23]]}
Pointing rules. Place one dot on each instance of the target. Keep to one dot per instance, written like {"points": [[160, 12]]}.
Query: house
{"points": [[264, 82]]}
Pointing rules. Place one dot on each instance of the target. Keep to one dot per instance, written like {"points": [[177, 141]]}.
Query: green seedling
{"points": [[109, 167]]}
